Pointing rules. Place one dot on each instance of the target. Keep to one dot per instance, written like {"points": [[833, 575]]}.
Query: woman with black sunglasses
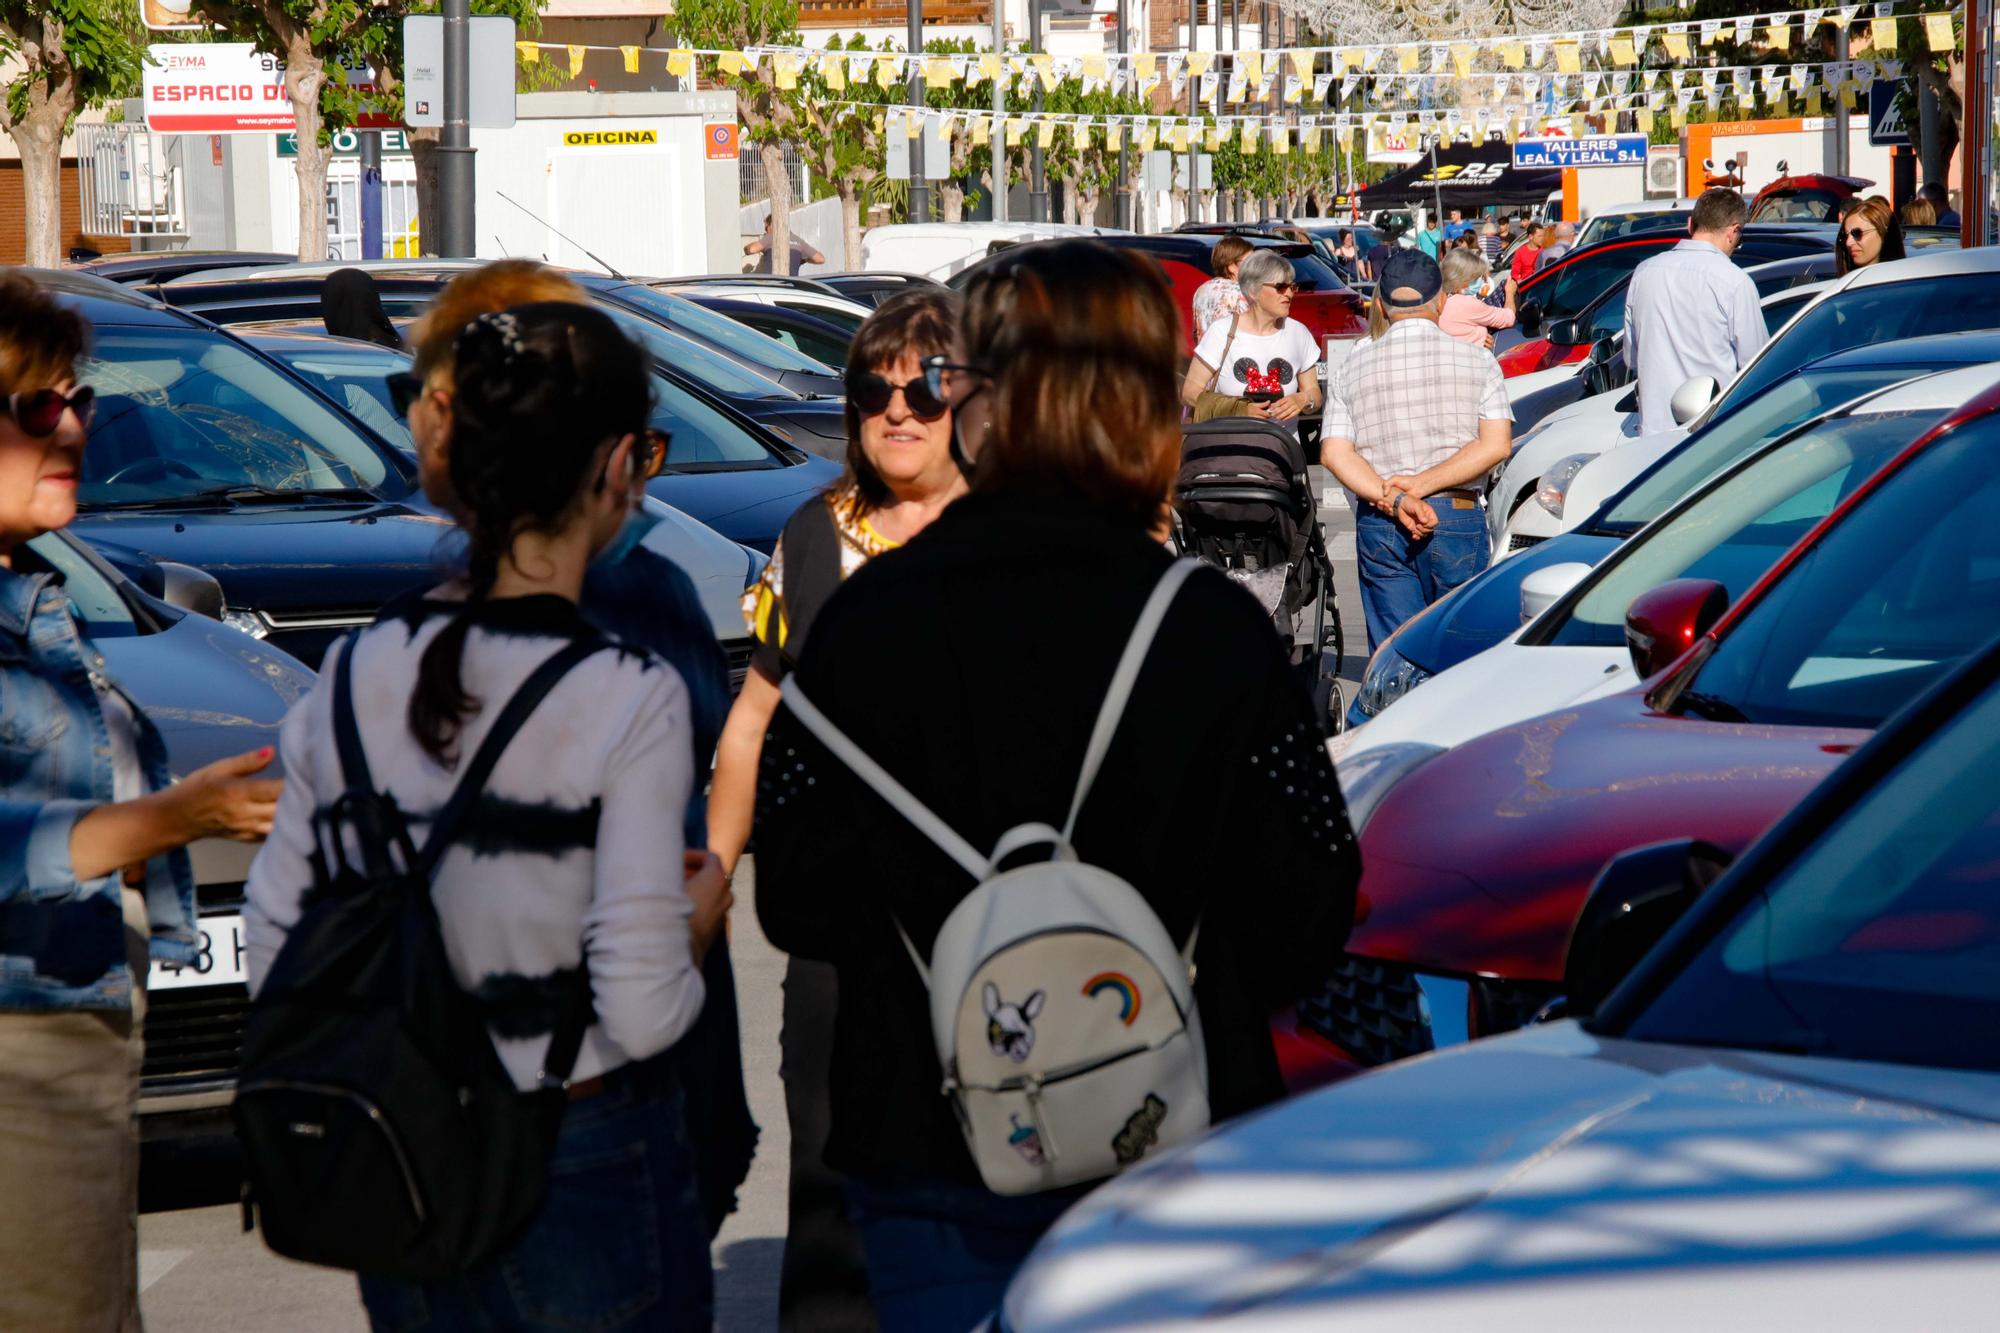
{"points": [[94, 877], [902, 471]]}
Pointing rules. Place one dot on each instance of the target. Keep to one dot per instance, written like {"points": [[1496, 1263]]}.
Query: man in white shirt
{"points": [[1414, 422], [1691, 311]]}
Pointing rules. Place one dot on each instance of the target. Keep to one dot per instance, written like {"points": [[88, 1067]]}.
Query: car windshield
{"points": [[1885, 602], [1798, 206], [1737, 531], [1570, 287], [1866, 316], [1784, 407], [184, 411], [1881, 940], [720, 330], [705, 438], [712, 368], [356, 377]]}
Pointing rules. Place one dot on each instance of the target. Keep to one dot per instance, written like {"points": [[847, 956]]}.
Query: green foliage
{"points": [[93, 44], [770, 114]]}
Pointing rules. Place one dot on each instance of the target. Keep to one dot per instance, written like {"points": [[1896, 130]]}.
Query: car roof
{"points": [[381, 268], [1936, 263], [1932, 349], [1941, 391], [102, 301], [272, 340]]}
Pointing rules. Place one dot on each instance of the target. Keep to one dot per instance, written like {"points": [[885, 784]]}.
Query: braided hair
{"points": [[538, 392]]}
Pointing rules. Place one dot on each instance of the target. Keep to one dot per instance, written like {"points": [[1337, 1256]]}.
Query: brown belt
{"points": [[1455, 493], [584, 1087]]}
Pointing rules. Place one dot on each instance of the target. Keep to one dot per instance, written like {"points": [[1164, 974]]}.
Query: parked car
{"points": [[1814, 197], [1324, 304], [1570, 646], [940, 250], [1563, 289], [1631, 219], [872, 289], [208, 454], [213, 691], [810, 421], [828, 305], [1745, 708], [722, 470], [807, 334], [1497, 601], [1785, 1114], [145, 266]]}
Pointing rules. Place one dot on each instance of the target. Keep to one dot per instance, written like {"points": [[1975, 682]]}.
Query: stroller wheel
{"points": [[1330, 699]]}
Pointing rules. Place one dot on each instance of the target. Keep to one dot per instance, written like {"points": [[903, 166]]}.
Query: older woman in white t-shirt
{"points": [[1263, 354]]}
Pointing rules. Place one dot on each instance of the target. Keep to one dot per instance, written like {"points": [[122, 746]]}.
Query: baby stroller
{"points": [[1242, 503]]}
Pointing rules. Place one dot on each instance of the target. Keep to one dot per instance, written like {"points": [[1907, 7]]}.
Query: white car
{"points": [[1639, 215], [1571, 646], [1527, 504], [1932, 293], [1785, 1116], [807, 298], [940, 249]]}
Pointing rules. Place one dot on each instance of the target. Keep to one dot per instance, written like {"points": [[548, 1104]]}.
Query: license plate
{"points": [[219, 962]]}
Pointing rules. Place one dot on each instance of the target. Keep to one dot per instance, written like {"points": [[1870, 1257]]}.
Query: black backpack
{"points": [[381, 1132]]}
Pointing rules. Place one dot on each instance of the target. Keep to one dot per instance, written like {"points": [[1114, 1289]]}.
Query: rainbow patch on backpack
{"points": [[1117, 983]]}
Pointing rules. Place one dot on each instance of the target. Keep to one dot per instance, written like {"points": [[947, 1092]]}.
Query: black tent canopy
{"points": [[1468, 176]]}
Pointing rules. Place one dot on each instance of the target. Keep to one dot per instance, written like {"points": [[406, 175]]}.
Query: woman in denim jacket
{"points": [[92, 870]]}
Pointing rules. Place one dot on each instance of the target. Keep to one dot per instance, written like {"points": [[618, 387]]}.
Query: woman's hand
{"points": [[1288, 407], [224, 801], [708, 888]]}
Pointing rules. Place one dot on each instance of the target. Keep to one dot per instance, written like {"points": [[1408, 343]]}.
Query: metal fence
{"points": [[131, 182]]}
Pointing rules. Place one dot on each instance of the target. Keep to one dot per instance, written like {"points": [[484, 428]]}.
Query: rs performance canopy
{"points": [[1467, 176]]}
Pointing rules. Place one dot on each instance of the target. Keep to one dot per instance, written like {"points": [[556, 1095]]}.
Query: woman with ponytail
{"points": [[563, 863]]}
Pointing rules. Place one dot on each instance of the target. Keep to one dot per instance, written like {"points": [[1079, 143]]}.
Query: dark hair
{"points": [[40, 340], [1878, 213], [1083, 344], [918, 323], [1936, 193], [537, 391], [1717, 210], [1229, 250]]}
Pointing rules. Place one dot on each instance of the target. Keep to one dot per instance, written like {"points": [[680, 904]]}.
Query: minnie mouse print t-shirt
{"points": [[1267, 363]]}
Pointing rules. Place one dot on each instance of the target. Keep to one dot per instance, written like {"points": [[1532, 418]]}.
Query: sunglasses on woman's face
{"points": [[872, 393], [39, 411], [951, 383], [1283, 288], [404, 390], [1859, 234]]}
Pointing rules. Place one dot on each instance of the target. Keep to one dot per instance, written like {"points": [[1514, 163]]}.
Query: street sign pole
{"points": [[455, 161], [1038, 181], [998, 149], [1840, 126], [371, 194], [920, 185], [1122, 210]]}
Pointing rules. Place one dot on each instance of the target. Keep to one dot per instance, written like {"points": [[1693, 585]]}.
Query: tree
{"points": [[71, 55], [841, 133], [772, 116], [1088, 172]]}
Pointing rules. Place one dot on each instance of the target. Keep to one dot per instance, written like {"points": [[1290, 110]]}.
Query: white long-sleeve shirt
{"points": [[1688, 312], [571, 858]]}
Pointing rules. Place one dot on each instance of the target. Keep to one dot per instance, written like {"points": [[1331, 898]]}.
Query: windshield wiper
{"points": [[244, 493], [1713, 708]]}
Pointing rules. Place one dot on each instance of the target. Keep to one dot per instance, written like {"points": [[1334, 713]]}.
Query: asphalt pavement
{"points": [[200, 1273]]}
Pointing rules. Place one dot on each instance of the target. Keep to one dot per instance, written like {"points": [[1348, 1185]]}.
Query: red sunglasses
{"points": [[39, 411]]}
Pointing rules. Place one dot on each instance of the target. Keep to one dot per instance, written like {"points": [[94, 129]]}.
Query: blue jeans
{"points": [[940, 1255], [1401, 576], [620, 1243]]}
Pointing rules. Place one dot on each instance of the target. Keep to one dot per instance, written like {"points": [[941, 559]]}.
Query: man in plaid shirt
{"points": [[1414, 422]]}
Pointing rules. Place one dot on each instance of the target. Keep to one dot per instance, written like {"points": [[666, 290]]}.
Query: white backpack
{"points": [[1064, 1016]]}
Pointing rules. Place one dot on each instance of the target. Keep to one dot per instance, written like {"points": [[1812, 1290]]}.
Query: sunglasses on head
{"points": [[39, 411]]}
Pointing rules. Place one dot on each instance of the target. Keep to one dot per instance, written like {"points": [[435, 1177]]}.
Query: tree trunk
{"points": [[430, 206], [305, 75], [39, 137], [951, 200], [1086, 204], [773, 157], [850, 222]]}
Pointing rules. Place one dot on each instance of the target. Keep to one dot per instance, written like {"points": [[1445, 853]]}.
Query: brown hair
{"points": [[1878, 213], [918, 323], [40, 340], [501, 285], [1718, 209], [1919, 212], [1083, 343], [1229, 250]]}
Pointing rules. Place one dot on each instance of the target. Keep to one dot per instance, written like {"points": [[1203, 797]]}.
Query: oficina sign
{"points": [[1600, 150]]}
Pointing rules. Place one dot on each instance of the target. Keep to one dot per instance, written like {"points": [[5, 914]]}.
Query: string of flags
{"points": [[1322, 74]]}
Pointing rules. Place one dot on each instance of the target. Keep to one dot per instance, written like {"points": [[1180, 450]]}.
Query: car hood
{"points": [[1534, 811], [287, 558], [1552, 1180], [1482, 612], [1505, 684], [719, 568], [1615, 469]]}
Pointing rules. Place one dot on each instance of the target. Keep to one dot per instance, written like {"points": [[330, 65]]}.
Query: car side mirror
{"points": [[1637, 898], [1692, 399], [1548, 585], [190, 589], [1566, 332], [1664, 622], [1528, 318]]}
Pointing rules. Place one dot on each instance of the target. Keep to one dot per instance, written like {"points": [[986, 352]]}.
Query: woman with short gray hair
{"points": [[1262, 362], [1467, 315]]}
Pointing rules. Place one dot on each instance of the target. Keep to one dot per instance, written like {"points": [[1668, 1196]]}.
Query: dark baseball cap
{"points": [[1409, 279]]}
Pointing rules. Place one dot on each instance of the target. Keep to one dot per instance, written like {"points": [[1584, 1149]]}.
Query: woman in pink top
{"points": [[1466, 317]]}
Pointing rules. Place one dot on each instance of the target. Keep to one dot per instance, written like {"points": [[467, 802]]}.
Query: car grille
{"points": [[194, 1036], [739, 652], [1521, 541], [1371, 1010]]}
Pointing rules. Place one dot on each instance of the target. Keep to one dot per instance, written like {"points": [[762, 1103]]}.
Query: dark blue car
{"points": [[1487, 608]]}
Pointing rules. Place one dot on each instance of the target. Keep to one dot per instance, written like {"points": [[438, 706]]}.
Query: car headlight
{"points": [[1367, 777], [250, 622], [1555, 483], [1388, 678]]}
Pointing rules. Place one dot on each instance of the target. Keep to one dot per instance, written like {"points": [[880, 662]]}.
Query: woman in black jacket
{"points": [[971, 664]]}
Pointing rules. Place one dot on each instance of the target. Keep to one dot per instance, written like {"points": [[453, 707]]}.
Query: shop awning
{"points": [[1467, 176]]}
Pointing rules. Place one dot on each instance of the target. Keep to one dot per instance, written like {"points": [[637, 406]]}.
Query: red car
{"points": [[1812, 198], [1477, 859]]}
